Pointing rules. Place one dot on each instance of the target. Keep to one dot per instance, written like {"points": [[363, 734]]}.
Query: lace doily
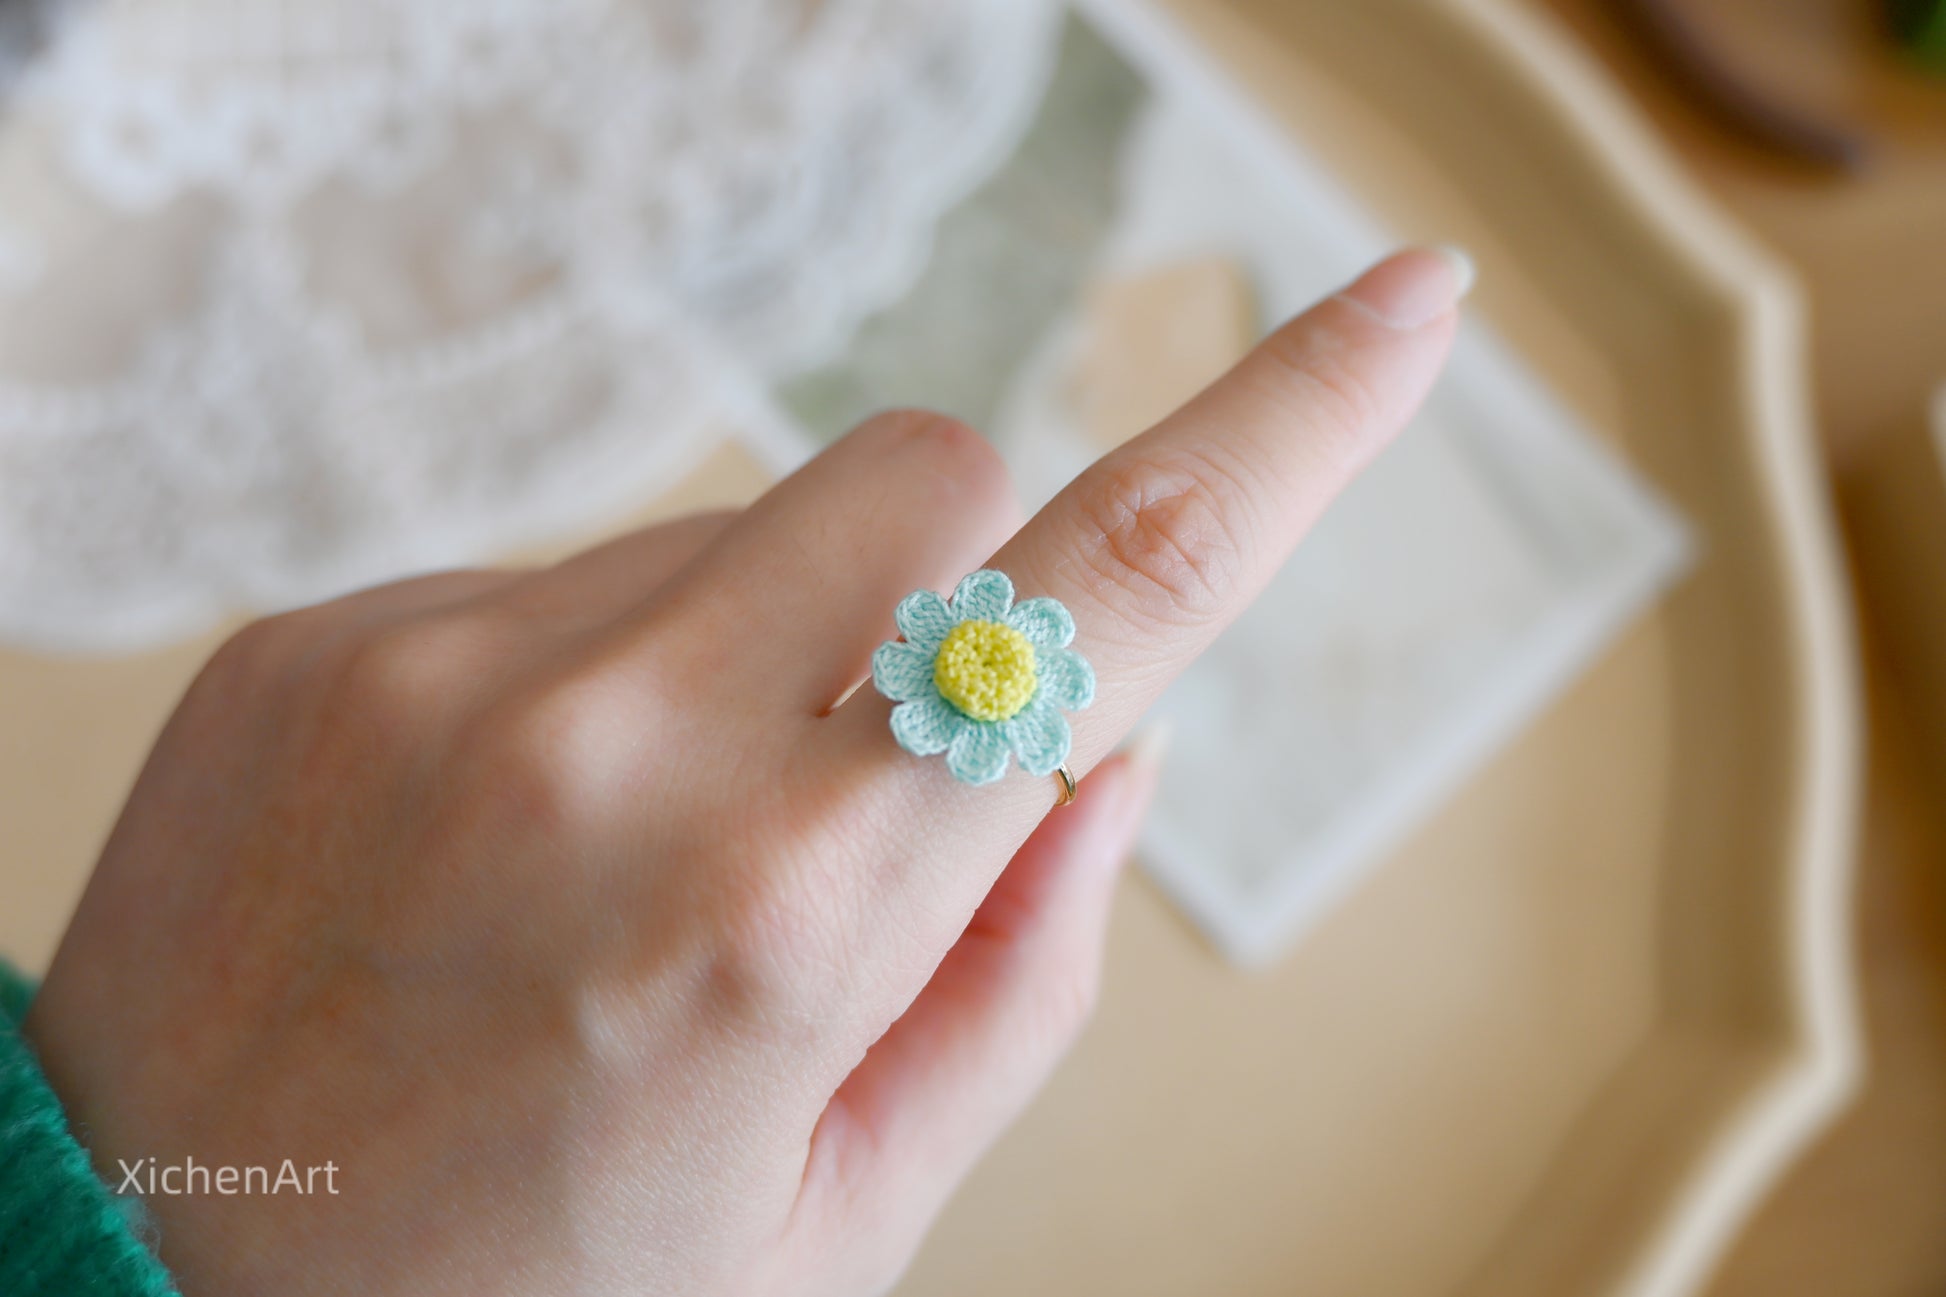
{"points": [[293, 298]]}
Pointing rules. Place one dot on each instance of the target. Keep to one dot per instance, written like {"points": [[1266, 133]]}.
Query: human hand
{"points": [[572, 918]]}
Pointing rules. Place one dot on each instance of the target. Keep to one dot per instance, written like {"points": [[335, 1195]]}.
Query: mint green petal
{"points": [[1040, 737], [983, 596], [978, 754], [926, 726], [1065, 679], [923, 619], [1045, 623], [903, 672]]}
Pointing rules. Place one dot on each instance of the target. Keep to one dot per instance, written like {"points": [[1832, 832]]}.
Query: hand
{"points": [[573, 920]]}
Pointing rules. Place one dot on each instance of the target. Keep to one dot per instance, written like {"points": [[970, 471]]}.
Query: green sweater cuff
{"points": [[62, 1233]]}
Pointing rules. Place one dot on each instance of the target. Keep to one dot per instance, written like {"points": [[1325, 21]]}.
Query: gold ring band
{"points": [[1069, 788]]}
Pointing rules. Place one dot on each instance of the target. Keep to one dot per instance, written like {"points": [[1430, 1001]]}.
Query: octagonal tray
{"points": [[1563, 1040], [1565, 1037]]}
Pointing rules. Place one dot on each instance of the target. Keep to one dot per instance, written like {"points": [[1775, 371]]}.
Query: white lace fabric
{"points": [[298, 297]]}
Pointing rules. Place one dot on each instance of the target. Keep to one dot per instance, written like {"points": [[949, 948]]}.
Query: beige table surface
{"points": [[1865, 1214], [64, 772]]}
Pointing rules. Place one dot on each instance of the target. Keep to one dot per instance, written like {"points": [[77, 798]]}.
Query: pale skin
{"points": [[593, 932]]}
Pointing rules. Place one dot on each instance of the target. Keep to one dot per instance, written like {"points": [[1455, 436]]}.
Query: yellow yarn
{"points": [[986, 670]]}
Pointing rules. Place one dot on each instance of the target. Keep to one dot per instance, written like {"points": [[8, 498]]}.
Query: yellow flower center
{"points": [[986, 669]]}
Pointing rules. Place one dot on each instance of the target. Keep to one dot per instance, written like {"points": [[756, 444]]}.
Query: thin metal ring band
{"points": [[1069, 788]]}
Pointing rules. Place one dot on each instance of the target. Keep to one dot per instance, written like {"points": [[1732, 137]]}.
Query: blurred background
{"points": [[1545, 892]]}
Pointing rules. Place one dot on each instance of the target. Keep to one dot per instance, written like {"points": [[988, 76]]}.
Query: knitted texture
{"points": [[62, 1233], [983, 679], [986, 669]]}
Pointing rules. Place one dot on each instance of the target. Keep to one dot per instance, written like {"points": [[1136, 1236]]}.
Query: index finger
{"points": [[1163, 542]]}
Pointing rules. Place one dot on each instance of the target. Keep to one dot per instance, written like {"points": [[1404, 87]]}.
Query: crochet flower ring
{"points": [[984, 680]]}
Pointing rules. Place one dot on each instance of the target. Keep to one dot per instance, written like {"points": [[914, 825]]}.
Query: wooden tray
{"points": [[1896, 498], [1565, 1038]]}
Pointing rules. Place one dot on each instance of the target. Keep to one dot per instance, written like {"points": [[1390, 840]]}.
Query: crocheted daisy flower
{"points": [[983, 679]]}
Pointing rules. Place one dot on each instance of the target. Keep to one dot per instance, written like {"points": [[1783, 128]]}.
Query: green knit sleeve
{"points": [[62, 1233]]}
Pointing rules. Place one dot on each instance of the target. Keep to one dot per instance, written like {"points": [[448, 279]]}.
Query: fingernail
{"points": [[1149, 744], [1460, 261], [1414, 287]]}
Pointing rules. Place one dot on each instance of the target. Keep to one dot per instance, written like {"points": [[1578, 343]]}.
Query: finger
{"points": [[1162, 543], [1154, 549], [1004, 1006], [789, 599], [416, 594], [307, 633], [602, 583], [586, 589], [590, 588]]}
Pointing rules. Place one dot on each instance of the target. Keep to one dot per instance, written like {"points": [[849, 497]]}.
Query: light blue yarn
{"points": [[979, 752]]}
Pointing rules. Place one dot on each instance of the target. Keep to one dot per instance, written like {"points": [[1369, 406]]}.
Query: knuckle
{"points": [[251, 650], [367, 701], [777, 961], [784, 918], [1163, 533], [404, 668], [929, 428], [558, 752], [260, 659], [967, 463]]}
